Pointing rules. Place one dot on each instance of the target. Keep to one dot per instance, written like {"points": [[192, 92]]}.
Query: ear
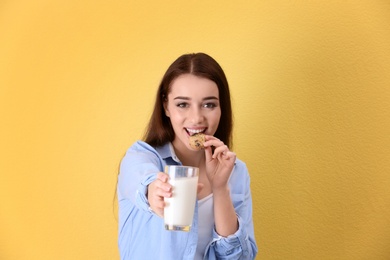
{"points": [[165, 105]]}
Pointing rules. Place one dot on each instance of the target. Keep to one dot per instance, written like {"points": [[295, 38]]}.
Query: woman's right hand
{"points": [[157, 190]]}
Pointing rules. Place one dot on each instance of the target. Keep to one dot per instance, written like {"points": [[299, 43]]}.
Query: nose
{"points": [[196, 115]]}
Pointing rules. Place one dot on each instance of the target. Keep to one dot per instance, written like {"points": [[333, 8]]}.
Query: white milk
{"points": [[179, 209]]}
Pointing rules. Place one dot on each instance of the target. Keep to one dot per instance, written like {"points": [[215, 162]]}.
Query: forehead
{"points": [[189, 85]]}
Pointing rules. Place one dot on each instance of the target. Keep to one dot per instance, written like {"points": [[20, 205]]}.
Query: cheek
{"points": [[175, 117], [216, 118]]}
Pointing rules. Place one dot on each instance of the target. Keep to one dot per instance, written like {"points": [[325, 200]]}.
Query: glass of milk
{"points": [[179, 209]]}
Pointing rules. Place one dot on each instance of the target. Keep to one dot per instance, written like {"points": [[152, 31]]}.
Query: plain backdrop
{"points": [[311, 98]]}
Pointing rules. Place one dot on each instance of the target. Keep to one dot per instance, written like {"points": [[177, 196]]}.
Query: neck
{"points": [[189, 157]]}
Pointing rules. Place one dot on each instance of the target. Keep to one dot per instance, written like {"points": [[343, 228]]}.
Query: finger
{"points": [[215, 143], [227, 159], [164, 190], [212, 141], [229, 156], [162, 182], [157, 190], [208, 154], [162, 176], [156, 199], [220, 150], [157, 203], [210, 137]]}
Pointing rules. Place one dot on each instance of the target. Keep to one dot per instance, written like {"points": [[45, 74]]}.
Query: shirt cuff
{"points": [[232, 245]]}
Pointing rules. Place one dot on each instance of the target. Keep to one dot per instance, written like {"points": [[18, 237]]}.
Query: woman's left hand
{"points": [[219, 165]]}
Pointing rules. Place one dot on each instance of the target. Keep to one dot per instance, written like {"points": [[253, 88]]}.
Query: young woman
{"points": [[193, 97]]}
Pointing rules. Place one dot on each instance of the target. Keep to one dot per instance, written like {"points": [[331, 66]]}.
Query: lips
{"points": [[192, 131]]}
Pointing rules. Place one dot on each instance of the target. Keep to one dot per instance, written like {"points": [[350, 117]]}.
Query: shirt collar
{"points": [[167, 151]]}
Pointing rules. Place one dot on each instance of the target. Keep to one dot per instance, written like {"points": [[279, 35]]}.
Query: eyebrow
{"points": [[187, 98]]}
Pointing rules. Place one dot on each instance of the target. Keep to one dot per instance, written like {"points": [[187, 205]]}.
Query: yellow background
{"points": [[311, 93]]}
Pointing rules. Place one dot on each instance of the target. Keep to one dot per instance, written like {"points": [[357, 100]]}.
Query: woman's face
{"points": [[193, 107]]}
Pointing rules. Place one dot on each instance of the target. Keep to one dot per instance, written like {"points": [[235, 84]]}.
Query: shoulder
{"points": [[141, 152], [239, 179], [140, 146]]}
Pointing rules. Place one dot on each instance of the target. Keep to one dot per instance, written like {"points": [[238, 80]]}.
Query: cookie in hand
{"points": [[197, 140]]}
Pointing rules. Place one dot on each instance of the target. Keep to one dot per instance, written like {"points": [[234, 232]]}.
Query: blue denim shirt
{"points": [[141, 232]]}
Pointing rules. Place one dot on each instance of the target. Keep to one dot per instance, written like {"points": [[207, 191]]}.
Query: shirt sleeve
{"points": [[240, 245], [139, 167]]}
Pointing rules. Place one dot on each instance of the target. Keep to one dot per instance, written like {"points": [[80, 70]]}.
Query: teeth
{"points": [[195, 131]]}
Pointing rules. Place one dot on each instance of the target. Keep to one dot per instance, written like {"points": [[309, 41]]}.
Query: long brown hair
{"points": [[159, 130]]}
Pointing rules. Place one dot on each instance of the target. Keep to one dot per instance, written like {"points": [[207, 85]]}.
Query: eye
{"points": [[210, 105], [182, 105]]}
